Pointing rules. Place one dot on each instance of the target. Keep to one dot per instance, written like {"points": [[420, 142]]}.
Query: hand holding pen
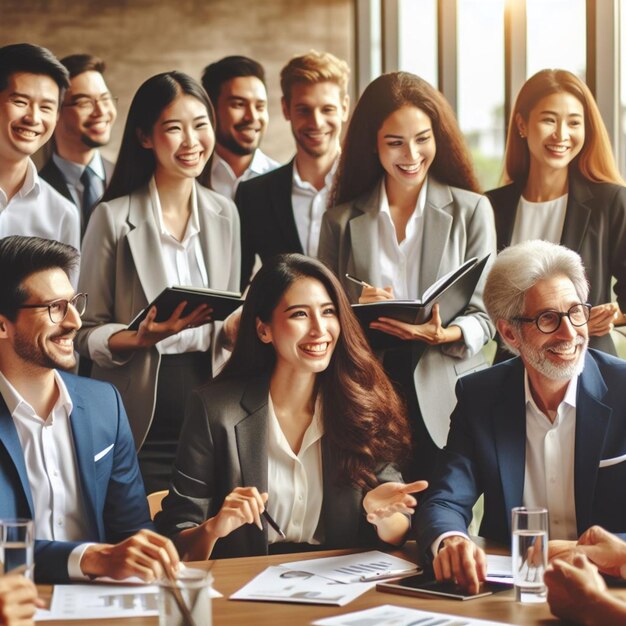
{"points": [[371, 293]]}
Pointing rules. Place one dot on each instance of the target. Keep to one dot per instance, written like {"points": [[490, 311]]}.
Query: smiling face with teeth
{"points": [[303, 329], [406, 149], [182, 139], [555, 132], [34, 341], [28, 114]]}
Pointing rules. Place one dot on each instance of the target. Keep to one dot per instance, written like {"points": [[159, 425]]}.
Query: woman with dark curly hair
{"points": [[302, 420]]}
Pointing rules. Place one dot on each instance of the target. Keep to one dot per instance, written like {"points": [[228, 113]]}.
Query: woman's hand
{"points": [[390, 498], [602, 319], [231, 327], [151, 332], [605, 550], [243, 505], [432, 332], [375, 294]]}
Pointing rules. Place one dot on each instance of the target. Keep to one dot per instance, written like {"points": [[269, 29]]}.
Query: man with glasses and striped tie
{"points": [[67, 457], [546, 429]]}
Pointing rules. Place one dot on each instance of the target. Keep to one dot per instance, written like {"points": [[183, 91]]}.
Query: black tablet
{"points": [[424, 584]]}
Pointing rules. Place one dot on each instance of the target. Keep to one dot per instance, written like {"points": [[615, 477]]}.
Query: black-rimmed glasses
{"points": [[88, 105], [57, 310], [549, 321]]}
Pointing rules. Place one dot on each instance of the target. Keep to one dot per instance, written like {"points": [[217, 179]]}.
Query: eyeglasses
{"points": [[57, 310], [549, 321], [88, 105]]}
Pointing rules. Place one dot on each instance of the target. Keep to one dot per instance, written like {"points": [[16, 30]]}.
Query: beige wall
{"points": [[139, 38]]}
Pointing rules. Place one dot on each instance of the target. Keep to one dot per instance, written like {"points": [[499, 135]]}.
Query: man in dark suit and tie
{"points": [[281, 211], [545, 429], [76, 169], [67, 457]]}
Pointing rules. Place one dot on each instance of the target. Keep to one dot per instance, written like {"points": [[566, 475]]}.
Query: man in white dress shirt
{"points": [[32, 82], [77, 169], [236, 87], [67, 457], [546, 429]]}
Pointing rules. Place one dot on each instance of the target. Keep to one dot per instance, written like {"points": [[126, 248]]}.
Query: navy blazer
{"points": [[114, 498], [595, 228], [486, 452], [268, 226]]}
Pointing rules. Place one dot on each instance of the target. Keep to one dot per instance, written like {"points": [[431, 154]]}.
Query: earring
{"points": [[522, 135]]}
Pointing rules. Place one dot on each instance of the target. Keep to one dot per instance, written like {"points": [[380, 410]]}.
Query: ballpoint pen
{"points": [[272, 523], [391, 573], [356, 280]]}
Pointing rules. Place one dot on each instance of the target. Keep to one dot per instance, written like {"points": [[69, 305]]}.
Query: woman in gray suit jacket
{"points": [[407, 213], [563, 186], [156, 228], [302, 420]]}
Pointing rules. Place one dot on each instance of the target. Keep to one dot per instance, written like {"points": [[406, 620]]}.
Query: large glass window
{"points": [[480, 73], [557, 35], [417, 34]]}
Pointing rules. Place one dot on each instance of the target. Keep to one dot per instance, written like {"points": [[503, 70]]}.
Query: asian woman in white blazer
{"points": [[407, 212], [158, 227]]}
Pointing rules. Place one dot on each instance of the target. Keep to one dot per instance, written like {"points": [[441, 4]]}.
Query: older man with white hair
{"points": [[545, 429]]}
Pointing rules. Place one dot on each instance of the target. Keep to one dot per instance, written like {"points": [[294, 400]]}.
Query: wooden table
{"points": [[231, 574]]}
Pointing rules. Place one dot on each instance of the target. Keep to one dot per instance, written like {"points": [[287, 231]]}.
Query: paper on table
{"points": [[286, 584], [499, 569], [373, 565], [84, 602], [389, 615]]}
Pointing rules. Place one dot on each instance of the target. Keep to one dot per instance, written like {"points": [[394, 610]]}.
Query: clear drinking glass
{"points": [[529, 548], [17, 546], [186, 601]]}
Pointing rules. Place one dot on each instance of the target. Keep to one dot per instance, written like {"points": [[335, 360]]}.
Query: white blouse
{"points": [[539, 220]]}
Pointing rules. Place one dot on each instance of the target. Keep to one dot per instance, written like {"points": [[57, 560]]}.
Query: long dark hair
{"points": [[136, 164], [364, 418], [359, 166]]}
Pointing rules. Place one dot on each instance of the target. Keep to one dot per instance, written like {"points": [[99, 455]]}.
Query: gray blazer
{"points": [[223, 445], [122, 272], [458, 225]]}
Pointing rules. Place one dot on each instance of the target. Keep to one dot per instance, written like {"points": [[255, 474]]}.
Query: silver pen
{"points": [[391, 573], [356, 280]]}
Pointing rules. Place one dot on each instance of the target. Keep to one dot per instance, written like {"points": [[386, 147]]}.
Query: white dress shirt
{"points": [[539, 220], [73, 171], [309, 206], [48, 447], [224, 180], [399, 262], [38, 210], [549, 468], [295, 481]]}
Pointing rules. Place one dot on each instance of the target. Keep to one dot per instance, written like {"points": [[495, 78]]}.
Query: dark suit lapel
{"points": [[282, 207], [10, 440], [592, 422], [82, 434], [54, 177], [509, 423], [577, 215], [505, 212]]}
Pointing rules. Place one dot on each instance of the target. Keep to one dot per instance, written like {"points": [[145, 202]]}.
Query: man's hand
{"points": [[461, 560], [18, 601], [145, 554], [605, 550], [575, 590], [562, 549]]}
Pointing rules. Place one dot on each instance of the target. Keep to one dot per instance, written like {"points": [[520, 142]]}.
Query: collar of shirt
{"points": [[306, 186], [417, 213], [16, 404], [31, 185], [73, 171], [568, 399], [193, 225]]}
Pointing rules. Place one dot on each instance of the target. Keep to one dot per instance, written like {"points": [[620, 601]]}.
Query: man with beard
{"points": [[282, 211], [236, 87], [545, 429], [67, 456], [76, 168]]}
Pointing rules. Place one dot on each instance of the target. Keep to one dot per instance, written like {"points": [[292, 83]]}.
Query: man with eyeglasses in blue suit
{"points": [[67, 457], [545, 429]]}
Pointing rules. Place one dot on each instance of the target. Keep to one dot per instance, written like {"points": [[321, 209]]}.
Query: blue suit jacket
{"points": [[486, 452], [114, 499]]}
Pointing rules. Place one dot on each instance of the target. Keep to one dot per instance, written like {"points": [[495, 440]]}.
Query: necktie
{"points": [[90, 194]]}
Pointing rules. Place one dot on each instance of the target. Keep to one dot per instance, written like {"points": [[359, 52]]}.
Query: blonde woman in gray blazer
{"points": [[157, 227], [405, 187]]}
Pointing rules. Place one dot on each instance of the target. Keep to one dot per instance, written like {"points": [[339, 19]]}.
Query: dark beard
{"points": [[90, 143], [228, 142]]}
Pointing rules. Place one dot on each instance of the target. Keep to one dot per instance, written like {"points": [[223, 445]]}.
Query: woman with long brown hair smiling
{"points": [[303, 420], [563, 186]]}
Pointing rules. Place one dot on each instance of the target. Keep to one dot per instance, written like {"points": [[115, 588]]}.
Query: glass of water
{"points": [[530, 553], [186, 601], [17, 546]]}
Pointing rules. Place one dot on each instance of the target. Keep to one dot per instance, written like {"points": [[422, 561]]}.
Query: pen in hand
{"points": [[273, 524], [356, 280]]}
